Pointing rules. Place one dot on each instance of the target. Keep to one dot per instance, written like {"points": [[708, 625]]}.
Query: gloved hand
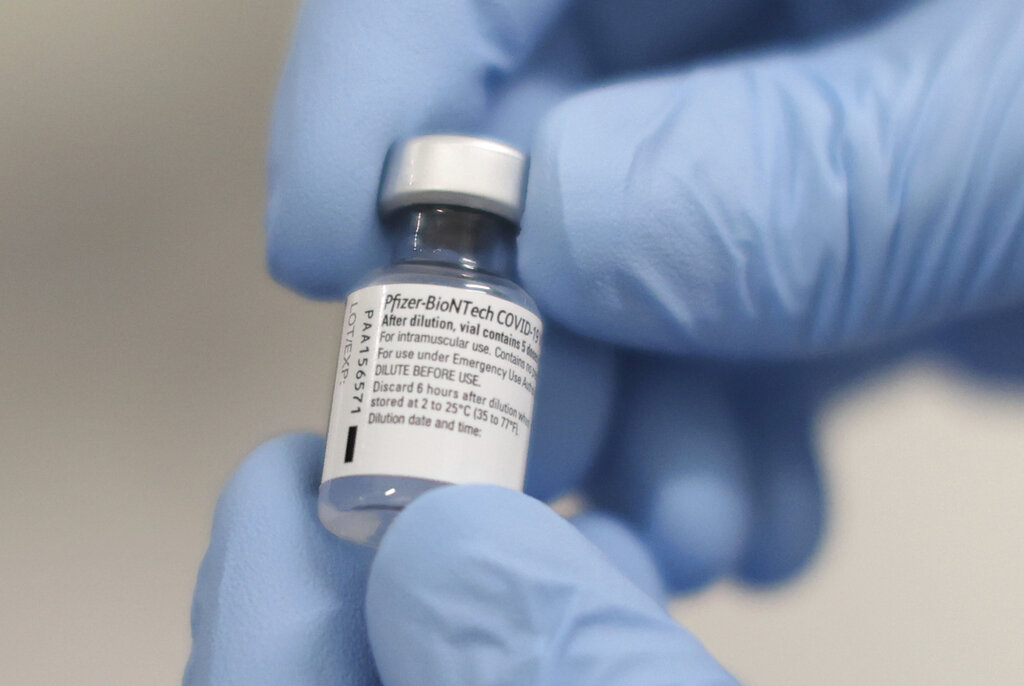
{"points": [[768, 216], [758, 224], [472, 585]]}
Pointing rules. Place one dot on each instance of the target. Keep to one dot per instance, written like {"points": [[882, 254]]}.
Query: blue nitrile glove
{"points": [[472, 585], [759, 209]]}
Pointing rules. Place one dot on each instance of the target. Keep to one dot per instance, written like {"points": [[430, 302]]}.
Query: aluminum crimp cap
{"points": [[455, 170]]}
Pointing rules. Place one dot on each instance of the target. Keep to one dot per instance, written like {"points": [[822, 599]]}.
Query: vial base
{"points": [[360, 508]]}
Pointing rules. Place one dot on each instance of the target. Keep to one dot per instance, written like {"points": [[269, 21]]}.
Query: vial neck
{"points": [[456, 237]]}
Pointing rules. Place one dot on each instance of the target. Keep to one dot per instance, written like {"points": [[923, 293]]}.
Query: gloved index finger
{"points": [[786, 204], [359, 75]]}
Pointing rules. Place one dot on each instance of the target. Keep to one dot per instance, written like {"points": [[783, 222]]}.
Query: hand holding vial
{"points": [[717, 237]]}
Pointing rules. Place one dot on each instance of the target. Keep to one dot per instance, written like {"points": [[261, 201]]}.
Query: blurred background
{"points": [[144, 352]]}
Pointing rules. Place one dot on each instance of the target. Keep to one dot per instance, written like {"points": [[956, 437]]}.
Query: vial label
{"points": [[434, 382]]}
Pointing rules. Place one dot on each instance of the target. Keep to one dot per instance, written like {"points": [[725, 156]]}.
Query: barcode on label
{"points": [[350, 445]]}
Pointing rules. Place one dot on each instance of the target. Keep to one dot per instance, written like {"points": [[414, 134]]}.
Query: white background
{"points": [[143, 352]]}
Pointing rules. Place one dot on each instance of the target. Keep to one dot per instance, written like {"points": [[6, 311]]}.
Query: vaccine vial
{"points": [[440, 349]]}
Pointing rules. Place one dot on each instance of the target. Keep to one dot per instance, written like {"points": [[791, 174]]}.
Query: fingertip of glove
{"points": [[788, 528], [322, 229], [771, 569], [448, 577], [291, 459], [487, 546], [449, 527], [479, 548], [698, 529], [305, 272], [303, 253]]}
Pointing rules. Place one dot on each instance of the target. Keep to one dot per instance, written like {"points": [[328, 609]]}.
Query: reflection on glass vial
{"points": [[440, 349]]}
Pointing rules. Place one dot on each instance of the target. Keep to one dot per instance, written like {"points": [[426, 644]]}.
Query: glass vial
{"points": [[440, 349]]}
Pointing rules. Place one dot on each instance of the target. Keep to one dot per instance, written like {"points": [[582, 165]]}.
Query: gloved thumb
{"points": [[481, 585]]}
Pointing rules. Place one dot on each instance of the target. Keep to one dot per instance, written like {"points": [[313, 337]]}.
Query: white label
{"points": [[434, 382]]}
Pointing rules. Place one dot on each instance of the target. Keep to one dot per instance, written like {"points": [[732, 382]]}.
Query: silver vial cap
{"points": [[455, 170]]}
